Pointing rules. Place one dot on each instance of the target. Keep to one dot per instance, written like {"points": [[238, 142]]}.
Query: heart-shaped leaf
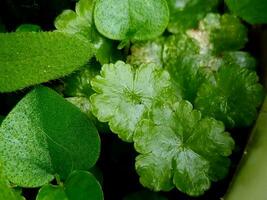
{"points": [[46, 135]]}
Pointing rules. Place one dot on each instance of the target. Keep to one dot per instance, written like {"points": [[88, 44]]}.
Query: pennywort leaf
{"points": [[179, 148], [124, 94], [131, 20], [233, 97], [185, 14], [45, 135], [79, 185], [29, 58]]}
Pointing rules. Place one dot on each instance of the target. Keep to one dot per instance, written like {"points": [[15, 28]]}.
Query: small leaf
{"points": [[233, 97], [29, 58], [124, 94], [81, 185], [179, 148], [131, 20], [45, 135], [51, 192], [28, 28], [252, 11]]}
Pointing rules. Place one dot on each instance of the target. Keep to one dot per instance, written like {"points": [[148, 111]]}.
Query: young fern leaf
{"points": [[29, 58], [179, 148], [124, 94]]}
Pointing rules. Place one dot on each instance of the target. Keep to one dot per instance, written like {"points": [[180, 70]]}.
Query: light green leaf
{"points": [[80, 23], [124, 94], [179, 148], [28, 28], [80, 185], [131, 20], [185, 14], [233, 97], [30, 58], [252, 11], [45, 135]]}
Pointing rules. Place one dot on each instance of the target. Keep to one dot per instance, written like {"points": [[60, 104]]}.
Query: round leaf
{"points": [[131, 20]]}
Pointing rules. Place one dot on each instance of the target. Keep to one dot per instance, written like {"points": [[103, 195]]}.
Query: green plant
{"points": [[171, 77]]}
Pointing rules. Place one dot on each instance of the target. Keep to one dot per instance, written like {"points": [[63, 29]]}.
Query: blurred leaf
{"points": [[252, 11]]}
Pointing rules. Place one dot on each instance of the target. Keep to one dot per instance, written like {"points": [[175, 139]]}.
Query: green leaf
{"points": [[28, 28], [124, 94], [239, 58], [51, 192], [131, 20], [80, 185], [83, 185], [233, 97], [185, 14], [84, 104], [31, 58], [6, 191], [179, 148], [45, 135], [225, 32], [80, 23], [144, 195], [253, 12]]}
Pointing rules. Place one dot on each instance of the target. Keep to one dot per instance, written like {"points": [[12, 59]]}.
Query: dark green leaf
{"points": [[83, 185], [45, 135], [28, 28], [80, 185], [51, 192], [253, 11], [233, 97], [30, 58]]}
